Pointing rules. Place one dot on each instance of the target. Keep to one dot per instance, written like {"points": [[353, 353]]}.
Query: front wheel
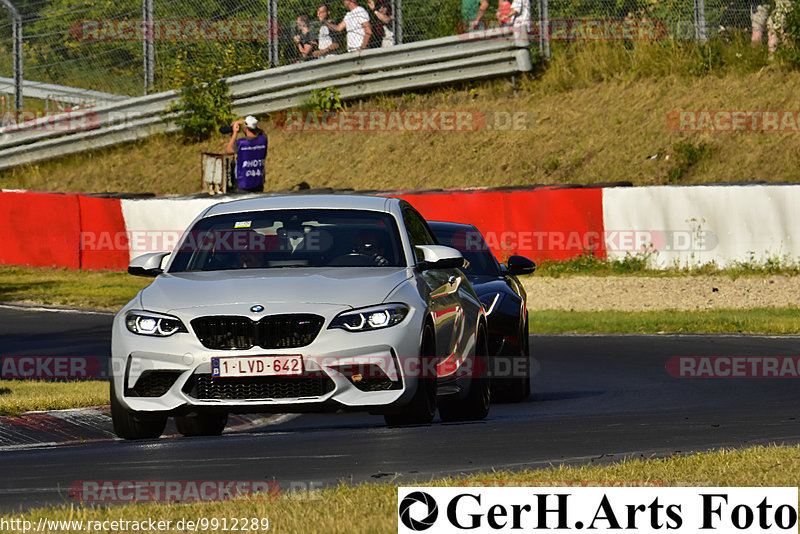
{"points": [[476, 404], [201, 424], [134, 425], [422, 408], [520, 386]]}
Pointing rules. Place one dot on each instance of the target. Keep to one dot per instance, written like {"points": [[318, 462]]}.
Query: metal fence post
{"points": [[274, 54], [394, 20], [148, 44], [398, 21], [700, 20], [17, 33], [544, 29]]}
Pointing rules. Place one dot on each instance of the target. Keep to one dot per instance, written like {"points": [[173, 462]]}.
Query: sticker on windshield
{"points": [[243, 224]]}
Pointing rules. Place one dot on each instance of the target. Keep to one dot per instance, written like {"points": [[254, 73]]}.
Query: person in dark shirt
{"points": [[305, 39]]}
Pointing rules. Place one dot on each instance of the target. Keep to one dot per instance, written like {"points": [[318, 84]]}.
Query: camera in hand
{"points": [[226, 129]]}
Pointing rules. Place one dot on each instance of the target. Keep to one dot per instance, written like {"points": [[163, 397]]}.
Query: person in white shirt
{"points": [[327, 41], [356, 22], [521, 15]]}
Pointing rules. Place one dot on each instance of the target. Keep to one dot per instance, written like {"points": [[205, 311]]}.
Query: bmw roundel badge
{"points": [[257, 308]]}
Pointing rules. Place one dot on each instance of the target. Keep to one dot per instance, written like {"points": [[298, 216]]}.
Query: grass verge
{"points": [[109, 290], [748, 321], [372, 508], [639, 265], [18, 396], [64, 287]]}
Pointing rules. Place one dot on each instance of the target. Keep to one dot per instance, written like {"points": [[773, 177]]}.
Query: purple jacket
{"points": [[250, 156]]}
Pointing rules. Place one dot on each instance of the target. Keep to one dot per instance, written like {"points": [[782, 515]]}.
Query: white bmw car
{"points": [[300, 303]]}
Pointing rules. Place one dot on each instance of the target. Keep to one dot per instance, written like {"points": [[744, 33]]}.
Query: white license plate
{"points": [[257, 366]]}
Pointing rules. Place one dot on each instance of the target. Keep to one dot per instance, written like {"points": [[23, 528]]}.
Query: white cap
{"points": [[251, 122]]}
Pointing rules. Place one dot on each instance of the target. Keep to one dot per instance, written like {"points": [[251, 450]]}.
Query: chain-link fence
{"points": [[128, 47]]}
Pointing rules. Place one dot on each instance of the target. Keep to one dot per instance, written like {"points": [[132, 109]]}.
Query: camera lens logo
{"points": [[418, 524]]}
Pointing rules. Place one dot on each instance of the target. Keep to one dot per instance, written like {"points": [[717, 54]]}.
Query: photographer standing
{"points": [[251, 153]]}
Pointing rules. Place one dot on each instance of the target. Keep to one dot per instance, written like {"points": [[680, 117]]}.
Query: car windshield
{"points": [[472, 246], [291, 238]]}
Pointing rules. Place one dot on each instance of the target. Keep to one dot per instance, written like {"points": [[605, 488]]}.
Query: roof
{"points": [[450, 226], [357, 202]]}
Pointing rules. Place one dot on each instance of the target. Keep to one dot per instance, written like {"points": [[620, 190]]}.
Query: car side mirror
{"points": [[439, 257], [518, 265], [148, 265]]}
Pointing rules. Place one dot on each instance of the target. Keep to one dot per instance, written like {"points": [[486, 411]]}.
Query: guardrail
{"points": [[356, 75], [63, 93]]}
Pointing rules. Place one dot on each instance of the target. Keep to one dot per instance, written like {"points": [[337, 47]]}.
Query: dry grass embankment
{"points": [[599, 113]]}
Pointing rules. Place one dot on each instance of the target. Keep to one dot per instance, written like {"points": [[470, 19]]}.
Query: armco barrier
{"points": [[101, 219], [690, 225], [704, 224], [541, 223], [40, 229]]}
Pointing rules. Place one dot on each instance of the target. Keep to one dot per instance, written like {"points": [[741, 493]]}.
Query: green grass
{"points": [[64, 287], [748, 321], [372, 508], [18, 396], [637, 265]]}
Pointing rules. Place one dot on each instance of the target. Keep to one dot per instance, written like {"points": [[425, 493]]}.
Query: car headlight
{"points": [[153, 324], [372, 318], [490, 301]]}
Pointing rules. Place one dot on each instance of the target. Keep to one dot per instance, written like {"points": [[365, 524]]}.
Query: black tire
{"points": [[519, 387], [476, 404], [422, 408], [201, 424], [134, 425]]}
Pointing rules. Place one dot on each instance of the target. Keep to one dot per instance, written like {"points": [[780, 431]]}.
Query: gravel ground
{"points": [[643, 293]]}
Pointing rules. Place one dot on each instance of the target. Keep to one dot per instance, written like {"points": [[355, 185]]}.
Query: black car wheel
{"points": [[517, 388], [422, 408], [201, 424], [134, 425], [476, 405]]}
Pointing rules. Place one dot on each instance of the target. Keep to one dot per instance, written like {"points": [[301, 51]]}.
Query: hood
{"points": [[350, 286]]}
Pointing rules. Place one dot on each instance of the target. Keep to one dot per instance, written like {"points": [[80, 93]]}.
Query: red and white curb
{"points": [[66, 427]]}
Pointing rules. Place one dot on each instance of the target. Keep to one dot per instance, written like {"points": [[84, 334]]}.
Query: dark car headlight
{"points": [[372, 318], [490, 301], [153, 324]]}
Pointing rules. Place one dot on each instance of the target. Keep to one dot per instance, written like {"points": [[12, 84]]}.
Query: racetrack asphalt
{"points": [[596, 399]]}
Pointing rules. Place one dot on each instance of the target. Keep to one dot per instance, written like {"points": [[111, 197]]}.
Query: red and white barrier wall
{"points": [[676, 225]]}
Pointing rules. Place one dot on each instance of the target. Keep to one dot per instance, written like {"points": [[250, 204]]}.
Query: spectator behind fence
{"points": [[356, 22], [504, 16], [520, 13], [327, 39], [775, 24], [758, 19], [306, 43], [251, 153], [382, 34], [472, 14]]}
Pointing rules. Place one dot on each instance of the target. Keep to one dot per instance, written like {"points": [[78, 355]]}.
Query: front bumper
{"points": [[342, 370]]}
